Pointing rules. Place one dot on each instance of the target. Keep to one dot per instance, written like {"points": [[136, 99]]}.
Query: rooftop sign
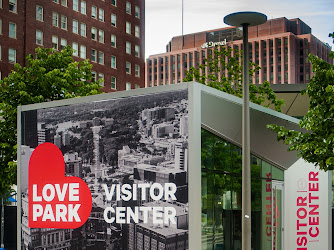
{"points": [[213, 44]]}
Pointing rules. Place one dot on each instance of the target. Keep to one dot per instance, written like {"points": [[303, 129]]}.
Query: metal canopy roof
{"points": [[221, 113]]}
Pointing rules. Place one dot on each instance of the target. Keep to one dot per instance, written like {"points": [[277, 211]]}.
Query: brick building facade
{"points": [[280, 46], [109, 33]]}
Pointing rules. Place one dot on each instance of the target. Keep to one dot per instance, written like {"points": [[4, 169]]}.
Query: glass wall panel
{"points": [[277, 174], [255, 167], [236, 159], [222, 156], [222, 196], [207, 151], [266, 170], [207, 211]]}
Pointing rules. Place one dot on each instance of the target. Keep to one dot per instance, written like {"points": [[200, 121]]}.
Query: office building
{"points": [[108, 33], [73, 164], [279, 46]]}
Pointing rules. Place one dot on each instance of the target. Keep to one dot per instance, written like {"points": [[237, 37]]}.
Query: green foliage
{"points": [[317, 144], [51, 75], [6, 195], [223, 164], [223, 71], [331, 35]]}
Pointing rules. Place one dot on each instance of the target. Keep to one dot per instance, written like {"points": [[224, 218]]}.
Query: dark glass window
{"points": [[222, 195]]}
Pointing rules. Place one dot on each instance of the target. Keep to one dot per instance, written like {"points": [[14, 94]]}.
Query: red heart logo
{"points": [[55, 201]]}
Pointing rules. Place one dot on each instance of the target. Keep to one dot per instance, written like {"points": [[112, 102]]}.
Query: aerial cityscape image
{"points": [[146, 148]]}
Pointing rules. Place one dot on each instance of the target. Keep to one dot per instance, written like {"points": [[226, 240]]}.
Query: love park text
{"points": [[142, 192], [63, 212]]}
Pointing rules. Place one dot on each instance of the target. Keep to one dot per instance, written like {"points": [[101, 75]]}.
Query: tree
{"points": [[317, 144], [331, 35], [223, 71], [51, 75]]}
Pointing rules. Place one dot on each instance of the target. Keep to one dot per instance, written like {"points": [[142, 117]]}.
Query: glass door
{"points": [[277, 215]]}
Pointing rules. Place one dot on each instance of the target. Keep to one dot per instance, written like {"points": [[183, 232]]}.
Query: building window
{"points": [[55, 42], [64, 3], [93, 55], [101, 57], [101, 15], [137, 12], [63, 43], [13, 6], [113, 82], [137, 70], [113, 62], [63, 21], [137, 51], [12, 30], [128, 28], [12, 55], [83, 30], [55, 18], [113, 2], [93, 30], [113, 41], [83, 7], [128, 47], [113, 20], [101, 36], [128, 8], [0, 25], [101, 76], [93, 76], [0, 4], [39, 13], [39, 37], [137, 31], [55, 1], [128, 86], [83, 51], [75, 49], [75, 5], [94, 12], [75, 27], [128, 67]]}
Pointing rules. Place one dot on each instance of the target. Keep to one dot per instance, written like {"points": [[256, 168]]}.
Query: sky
{"points": [[163, 18]]}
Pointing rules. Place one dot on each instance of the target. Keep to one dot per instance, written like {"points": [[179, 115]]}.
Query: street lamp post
{"points": [[245, 20]]}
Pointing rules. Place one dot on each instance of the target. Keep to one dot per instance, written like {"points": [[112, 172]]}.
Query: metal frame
{"points": [[281, 185]]}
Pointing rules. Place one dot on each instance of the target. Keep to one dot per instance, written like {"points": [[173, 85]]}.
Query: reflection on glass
{"points": [[278, 174], [222, 195]]}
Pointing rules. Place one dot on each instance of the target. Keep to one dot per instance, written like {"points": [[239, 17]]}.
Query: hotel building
{"points": [[279, 46], [108, 33]]}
